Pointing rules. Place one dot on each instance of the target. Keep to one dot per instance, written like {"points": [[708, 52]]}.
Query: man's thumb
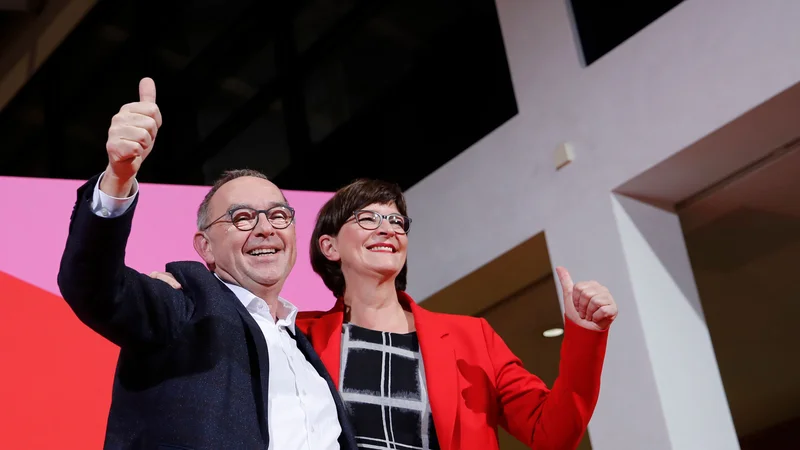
{"points": [[147, 90]]}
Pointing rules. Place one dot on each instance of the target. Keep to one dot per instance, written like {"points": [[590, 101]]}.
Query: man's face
{"points": [[256, 259]]}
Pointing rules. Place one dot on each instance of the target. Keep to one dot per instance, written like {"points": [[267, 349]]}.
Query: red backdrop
{"points": [[56, 373]]}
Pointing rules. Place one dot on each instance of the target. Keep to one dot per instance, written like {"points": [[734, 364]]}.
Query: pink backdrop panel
{"points": [[35, 217]]}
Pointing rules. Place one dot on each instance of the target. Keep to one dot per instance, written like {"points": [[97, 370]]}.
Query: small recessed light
{"points": [[553, 332]]}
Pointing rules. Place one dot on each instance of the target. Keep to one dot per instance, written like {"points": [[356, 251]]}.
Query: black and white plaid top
{"points": [[382, 382]]}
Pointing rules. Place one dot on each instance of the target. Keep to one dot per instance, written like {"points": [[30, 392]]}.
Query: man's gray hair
{"points": [[202, 211]]}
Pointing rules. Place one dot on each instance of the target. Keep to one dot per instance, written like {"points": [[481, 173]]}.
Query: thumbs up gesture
{"points": [[131, 137], [587, 303]]}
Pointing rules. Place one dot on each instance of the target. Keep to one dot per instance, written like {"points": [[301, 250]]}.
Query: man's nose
{"points": [[263, 226]]}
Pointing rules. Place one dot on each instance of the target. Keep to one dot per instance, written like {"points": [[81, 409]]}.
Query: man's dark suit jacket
{"points": [[193, 368]]}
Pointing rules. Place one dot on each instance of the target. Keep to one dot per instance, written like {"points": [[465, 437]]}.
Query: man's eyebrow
{"points": [[274, 204], [245, 205], [239, 205]]}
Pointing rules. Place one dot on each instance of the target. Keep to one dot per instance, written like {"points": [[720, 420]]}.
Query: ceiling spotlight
{"points": [[553, 332]]}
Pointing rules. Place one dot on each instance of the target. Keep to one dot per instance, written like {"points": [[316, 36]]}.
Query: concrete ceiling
{"points": [[763, 131], [772, 189]]}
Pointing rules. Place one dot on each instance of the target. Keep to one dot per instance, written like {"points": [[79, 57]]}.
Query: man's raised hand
{"points": [[131, 137]]}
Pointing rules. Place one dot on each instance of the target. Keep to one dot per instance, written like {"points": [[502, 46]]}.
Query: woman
{"points": [[417, 379]]}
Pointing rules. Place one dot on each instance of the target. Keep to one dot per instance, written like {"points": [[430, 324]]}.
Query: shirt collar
{"points": [[286, 313]]}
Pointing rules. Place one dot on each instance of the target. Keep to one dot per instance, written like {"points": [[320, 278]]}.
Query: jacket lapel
{"points": [[210, 285], [441, 376], [326, 337], [255, 338]]}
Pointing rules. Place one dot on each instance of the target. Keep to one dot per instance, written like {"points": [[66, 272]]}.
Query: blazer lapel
{"points": [[441, 376], [255, 338], [326, 337]]}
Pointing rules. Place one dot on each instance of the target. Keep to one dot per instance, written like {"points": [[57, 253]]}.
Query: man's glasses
{"points": [[246, 219], [370, 220]]}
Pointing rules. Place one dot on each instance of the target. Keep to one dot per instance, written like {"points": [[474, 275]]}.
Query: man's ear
{"points": [[327, 244], [203, 248]]}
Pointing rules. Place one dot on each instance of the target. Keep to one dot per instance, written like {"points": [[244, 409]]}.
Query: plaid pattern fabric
{"points": [[382, 382]]}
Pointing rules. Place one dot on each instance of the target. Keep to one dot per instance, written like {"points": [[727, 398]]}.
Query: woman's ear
{"points": [[327, 245]]}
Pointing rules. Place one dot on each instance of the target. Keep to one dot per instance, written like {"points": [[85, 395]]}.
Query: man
{"points": [[217, 364]]}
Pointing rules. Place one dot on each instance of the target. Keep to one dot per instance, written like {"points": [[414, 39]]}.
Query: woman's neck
{"points": [[375, 306]]}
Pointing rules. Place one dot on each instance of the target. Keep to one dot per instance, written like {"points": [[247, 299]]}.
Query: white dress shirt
{"points": [[302, 414], [301, 410]]}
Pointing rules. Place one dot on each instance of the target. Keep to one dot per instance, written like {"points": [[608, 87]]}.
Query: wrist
{"points": [[115, 186]]}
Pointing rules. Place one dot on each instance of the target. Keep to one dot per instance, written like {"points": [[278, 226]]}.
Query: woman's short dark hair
{"points": [[338, 210]]}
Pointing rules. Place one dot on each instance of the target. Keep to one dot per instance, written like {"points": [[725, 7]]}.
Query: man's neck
{"points": [[374, 305], [269, 294]]}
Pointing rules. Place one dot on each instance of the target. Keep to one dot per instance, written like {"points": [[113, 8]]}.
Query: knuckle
{"points": [[599, 286], [113, 146], [151, 109], [151, 126], [116, 122], [142, 136]]}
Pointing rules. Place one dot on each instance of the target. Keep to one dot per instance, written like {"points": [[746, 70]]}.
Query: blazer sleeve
{"points": [[121, 304], [541, 418]]}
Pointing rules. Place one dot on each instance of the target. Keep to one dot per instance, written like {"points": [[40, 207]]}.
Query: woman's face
{"points": [[363, 252]]}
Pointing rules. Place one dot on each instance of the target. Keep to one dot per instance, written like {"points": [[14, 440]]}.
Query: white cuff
{"points": [[109, 207]]}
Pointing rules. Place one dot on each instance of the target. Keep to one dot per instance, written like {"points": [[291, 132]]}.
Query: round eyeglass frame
{"points": [[406, 219], [258, 212]]}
